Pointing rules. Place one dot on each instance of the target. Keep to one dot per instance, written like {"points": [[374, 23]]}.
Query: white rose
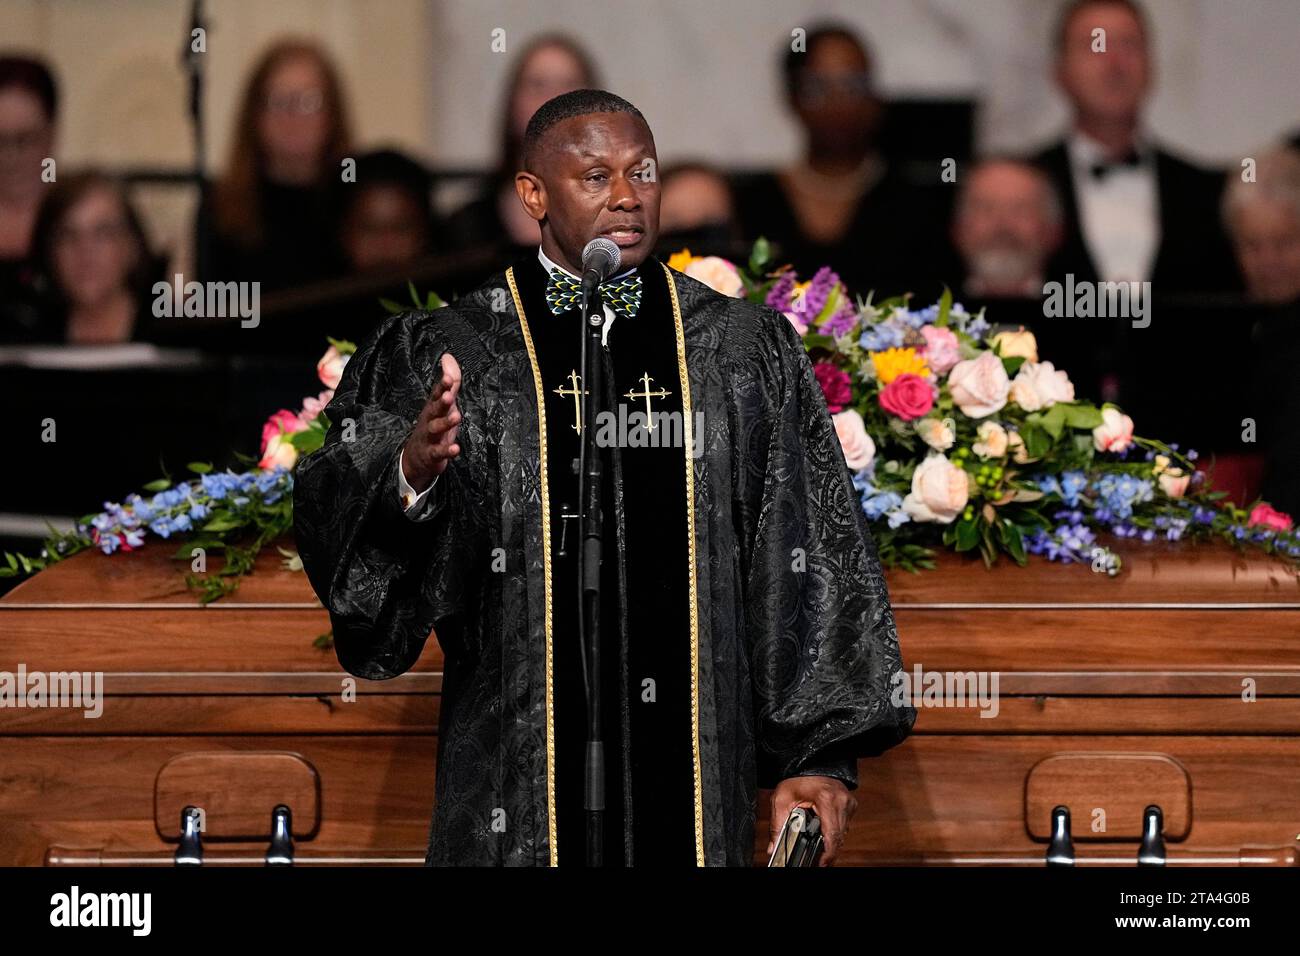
{"points": [[935, 432], [718, 274], [992, 441], [1019, 343], [859, 449], [980, 385], [939, 491], [1040, 385]]}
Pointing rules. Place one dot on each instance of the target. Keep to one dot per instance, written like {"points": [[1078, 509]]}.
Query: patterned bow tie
{"points": [[563, 292]]}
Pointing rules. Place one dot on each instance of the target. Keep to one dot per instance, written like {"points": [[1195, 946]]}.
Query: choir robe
{"points": [[747, 631]]}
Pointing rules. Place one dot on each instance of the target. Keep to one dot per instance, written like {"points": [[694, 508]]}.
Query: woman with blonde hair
{"points": [[273, 216]]}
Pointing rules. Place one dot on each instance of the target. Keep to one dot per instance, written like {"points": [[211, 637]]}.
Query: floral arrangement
{"points": [[966, 438]]}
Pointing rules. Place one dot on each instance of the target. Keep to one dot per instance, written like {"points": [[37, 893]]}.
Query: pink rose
{"points": [[1115, 433], [859, 449], [312, 407], [718, 274], [836, 386], [797, 321], [275, 450], [980, 385], [330, 367], [1268, 517], [941, 349], [1174, 483], [908, 396]]}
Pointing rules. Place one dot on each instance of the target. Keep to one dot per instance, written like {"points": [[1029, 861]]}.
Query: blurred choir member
{"points": [[274, 215], [94, 255], [696, 210], [29, 106], [548, 66], [841, 204], [387, 214], [1263, 221], [1134, 212], [1006, 227]]}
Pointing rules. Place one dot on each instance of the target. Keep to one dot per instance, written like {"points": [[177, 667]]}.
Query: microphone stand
{"points": [[591, 489]]}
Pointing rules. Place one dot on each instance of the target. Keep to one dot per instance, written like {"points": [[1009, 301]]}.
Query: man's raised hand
{"points": [[432, 442]]}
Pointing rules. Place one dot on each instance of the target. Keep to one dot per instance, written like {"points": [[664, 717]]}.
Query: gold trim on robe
{"points": [[688, 441], [554, 854]]}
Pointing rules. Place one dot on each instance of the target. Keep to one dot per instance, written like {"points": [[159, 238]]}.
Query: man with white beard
{"points": [[1006, 227]]}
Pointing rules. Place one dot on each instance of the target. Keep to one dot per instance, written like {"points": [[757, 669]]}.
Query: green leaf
{"points": [[200, 467], [158, 484], [1037, 442], [391, 306], [760, 255], [967, 534], [1080, 414], [1012, 364], [945, 306], [1051, 421], [223, 523], [433, 301], [1014, 538]]}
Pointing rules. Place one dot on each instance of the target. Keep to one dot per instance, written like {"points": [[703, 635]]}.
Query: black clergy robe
{"points": [[747, 632]]}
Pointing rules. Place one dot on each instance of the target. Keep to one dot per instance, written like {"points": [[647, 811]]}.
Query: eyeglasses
{"points": [[307, 103]]}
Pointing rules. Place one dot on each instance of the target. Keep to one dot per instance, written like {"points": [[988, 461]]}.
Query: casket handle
{"points": [[1151, 852], [190, 851], [1060, 851], [280, 852]]}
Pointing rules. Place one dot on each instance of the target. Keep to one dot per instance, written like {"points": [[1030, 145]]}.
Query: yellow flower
{"points": [[892, 363], [681, 260]]}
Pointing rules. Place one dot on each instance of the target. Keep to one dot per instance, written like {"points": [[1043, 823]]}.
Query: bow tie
{"points": [[623, 296], [1130, 160]]}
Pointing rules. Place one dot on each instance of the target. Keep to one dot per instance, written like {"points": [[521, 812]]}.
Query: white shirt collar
{"points": [[548, 265]]}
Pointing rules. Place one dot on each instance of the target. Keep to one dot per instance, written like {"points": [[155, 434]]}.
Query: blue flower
{"points": [[877, 338], [881, 502]]}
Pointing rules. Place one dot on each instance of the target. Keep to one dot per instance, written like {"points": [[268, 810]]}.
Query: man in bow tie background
{"points": [[749, 641], [1134, 212]]}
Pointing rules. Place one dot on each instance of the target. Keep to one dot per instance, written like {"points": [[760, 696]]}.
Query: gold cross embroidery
{"points": [[577, 402], [647, 395]]}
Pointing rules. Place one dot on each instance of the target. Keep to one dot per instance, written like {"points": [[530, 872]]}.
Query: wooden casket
{"points": [[1152, 715]]}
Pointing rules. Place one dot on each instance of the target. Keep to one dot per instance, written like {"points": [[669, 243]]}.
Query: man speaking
{"points": [[749, 640]]}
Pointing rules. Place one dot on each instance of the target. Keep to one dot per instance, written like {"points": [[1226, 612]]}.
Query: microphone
{"points": [[600, 260]]}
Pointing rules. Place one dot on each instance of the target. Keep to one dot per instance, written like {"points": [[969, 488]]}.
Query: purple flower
{"points": [[778, 297]]}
